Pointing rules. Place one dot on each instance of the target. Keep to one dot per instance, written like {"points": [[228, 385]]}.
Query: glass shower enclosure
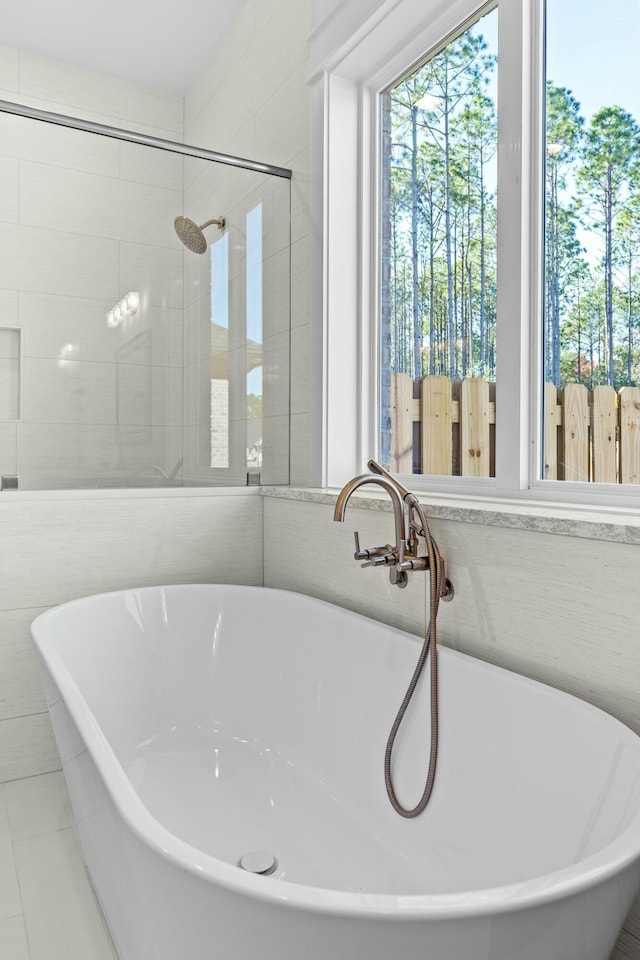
{"points": [[144, 310]]}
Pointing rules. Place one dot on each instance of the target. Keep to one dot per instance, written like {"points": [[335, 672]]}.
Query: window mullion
{"points": [[514, 245]]}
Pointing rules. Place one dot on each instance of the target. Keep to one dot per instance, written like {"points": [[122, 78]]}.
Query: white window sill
{"points": [[602, 523]]}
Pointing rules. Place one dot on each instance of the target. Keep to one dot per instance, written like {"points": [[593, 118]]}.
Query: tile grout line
{"points": [[15, 867]]}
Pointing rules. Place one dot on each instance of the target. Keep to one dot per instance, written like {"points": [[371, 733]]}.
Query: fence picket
{"points": [[630, 435], [401, 423], [575, 432], [604, 420], [436, 425], [474, 428], [551, 424], [587, 435]]}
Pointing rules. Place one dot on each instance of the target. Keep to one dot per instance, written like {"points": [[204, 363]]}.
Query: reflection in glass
{"points": [[140, 360], [254, 338]]}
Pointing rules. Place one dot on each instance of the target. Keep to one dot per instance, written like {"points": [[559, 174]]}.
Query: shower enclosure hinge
{"points": [[253, 478], [9, 481]]}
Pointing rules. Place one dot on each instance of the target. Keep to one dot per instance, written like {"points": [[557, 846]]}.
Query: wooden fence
{"points": [[443, 426]]}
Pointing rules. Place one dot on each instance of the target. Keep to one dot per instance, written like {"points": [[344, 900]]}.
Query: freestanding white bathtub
{"points": [[199, 723]]}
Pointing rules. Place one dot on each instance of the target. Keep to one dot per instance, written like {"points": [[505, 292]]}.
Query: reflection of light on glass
{"points": [[254, 274], [254, 333], [216, 633], [67, 355], [163, 607], [219, 353], [554, 148], [220, 281], [125, 309], [428, 102], [132, 300]]}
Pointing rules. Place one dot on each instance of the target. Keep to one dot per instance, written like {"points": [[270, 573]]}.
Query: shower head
{"points": [[192, 235]]}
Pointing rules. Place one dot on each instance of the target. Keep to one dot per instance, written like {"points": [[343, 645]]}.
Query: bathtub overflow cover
{"points": [[258, 861]]}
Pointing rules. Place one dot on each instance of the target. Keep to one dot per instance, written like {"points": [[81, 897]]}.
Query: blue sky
{"points": [[592, 48]]}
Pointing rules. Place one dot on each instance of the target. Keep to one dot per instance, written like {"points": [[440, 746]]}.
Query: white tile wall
{"points": [[9, 190], [75, 87], [27, 746], [67, 454], [55, 198], [83, 220], [156, 273], [8, 308], [69, 391], [8, 447], [158, 168], [10, 375], [277, 446], [58, 262], [113, 543], [9, 66], [20, 685], [13, 938], [27, 139]]}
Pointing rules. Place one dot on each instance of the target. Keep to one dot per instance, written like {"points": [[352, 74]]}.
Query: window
{"points": [[439, 257], [591, 336], [498, 291]]}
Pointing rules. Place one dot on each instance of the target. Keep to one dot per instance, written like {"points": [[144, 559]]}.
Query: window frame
{"points": [[349, 70]]}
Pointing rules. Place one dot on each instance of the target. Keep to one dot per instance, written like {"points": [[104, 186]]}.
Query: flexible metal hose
{"points": [[436, 582]]}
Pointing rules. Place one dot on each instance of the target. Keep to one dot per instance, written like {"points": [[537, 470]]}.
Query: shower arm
{"points": [[219, 222]]}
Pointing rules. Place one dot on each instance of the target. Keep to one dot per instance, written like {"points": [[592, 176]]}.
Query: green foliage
{"points": [[254, 407], [442, 213], [439, 304]]}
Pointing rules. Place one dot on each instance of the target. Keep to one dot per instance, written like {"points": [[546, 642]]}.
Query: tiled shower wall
{"points": [[83, 220]]}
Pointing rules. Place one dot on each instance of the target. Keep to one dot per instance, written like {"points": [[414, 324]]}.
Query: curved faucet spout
{"points": [[411, 524], [396, 499]]}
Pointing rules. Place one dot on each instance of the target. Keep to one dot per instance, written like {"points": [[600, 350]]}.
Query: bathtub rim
{"points": [[608, 862]]}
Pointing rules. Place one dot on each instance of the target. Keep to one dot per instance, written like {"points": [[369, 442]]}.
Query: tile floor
{"points": [[48, 909]]}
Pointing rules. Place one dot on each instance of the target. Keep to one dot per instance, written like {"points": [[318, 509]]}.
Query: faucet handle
{"points": [[379, 554], [359, 554], [387, 559]]}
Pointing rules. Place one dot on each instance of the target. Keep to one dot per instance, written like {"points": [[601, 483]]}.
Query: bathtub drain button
{"points": [[258, 861]]}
